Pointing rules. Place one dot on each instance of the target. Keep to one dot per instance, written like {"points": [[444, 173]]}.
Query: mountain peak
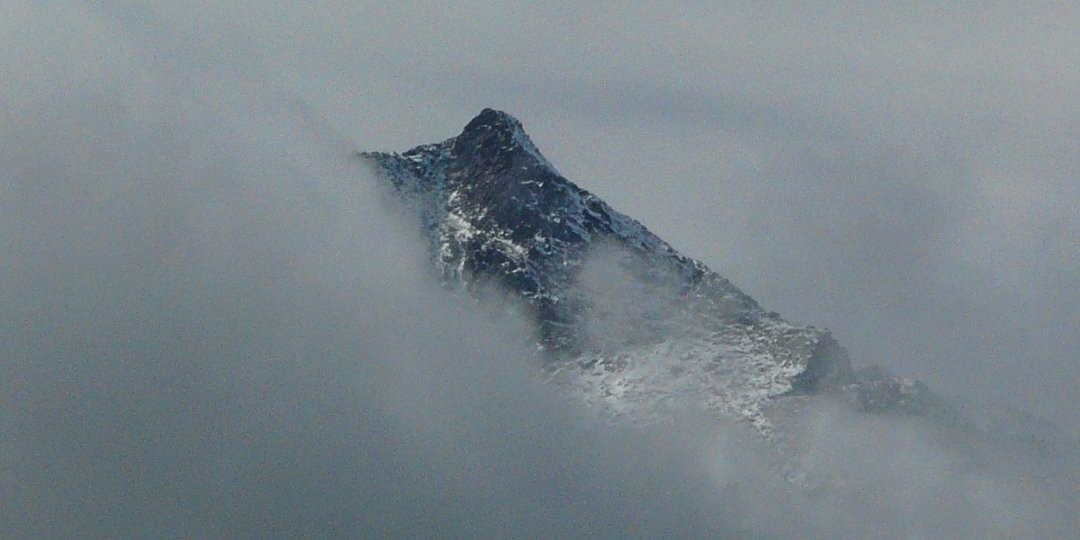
{"points": [[626, 323], [497, 134], [623, 318], [492, 119]]}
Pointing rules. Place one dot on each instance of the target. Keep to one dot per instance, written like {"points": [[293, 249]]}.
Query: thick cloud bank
{"points": [[213, 327]]}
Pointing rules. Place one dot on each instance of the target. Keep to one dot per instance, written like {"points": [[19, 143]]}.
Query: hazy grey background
{"points": [[907, 176], [212, 328]]}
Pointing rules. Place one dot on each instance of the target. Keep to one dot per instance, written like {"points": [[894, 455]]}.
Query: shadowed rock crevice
{"points": [[828, 368]]}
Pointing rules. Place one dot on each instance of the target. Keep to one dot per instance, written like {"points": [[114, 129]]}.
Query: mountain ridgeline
{"points": [[640, 333], [625, 319]]}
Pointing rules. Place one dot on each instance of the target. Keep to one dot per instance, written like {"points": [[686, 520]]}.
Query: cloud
{"points": [[903, 176], [215, 328]]}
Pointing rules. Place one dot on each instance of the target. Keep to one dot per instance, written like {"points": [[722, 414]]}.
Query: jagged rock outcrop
{"points": [[638, 331], [628, 323]]}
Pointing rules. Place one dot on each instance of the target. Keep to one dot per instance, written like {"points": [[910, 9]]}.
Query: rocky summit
{"points": [[628, 324]]}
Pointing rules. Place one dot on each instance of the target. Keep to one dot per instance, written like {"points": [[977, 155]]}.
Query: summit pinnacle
{"points": [[626, 321], [604, 292]]}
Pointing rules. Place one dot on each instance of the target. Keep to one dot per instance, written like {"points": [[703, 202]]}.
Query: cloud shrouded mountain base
{"points": [[213, 328]]}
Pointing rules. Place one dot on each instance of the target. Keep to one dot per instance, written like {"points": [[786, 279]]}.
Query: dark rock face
{"points": [[877, 391], [633, 327], [828, 368], [496, 212]]}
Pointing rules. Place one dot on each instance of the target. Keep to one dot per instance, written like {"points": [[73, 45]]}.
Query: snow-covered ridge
{"points": [[632, 326], [632, 329], [496, 210]]}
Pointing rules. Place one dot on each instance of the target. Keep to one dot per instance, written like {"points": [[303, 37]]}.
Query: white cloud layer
{"points": [[213, 328]]}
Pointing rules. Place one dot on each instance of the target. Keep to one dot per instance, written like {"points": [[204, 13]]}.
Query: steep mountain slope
{"points": [[628, 322], [639, 331]]}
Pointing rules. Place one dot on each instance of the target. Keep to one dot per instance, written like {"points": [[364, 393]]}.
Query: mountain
{"points": [[627, 323], [641, 333]]}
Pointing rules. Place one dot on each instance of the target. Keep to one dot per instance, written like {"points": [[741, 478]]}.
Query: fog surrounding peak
{"points": [[214, 328]]}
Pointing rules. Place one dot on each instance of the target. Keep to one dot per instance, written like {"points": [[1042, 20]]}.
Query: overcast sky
{"points": [[194, 266], [905, 176]]}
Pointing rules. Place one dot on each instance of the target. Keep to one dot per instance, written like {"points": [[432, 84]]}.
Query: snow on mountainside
{"points": [[629, 324], [640, 332]]}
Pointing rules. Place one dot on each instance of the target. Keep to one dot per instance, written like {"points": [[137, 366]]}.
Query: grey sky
{"points": [[193, 267], [906, 175]]}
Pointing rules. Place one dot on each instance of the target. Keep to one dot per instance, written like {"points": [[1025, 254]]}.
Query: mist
{"points": [[214, 327], [902, 175]]}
